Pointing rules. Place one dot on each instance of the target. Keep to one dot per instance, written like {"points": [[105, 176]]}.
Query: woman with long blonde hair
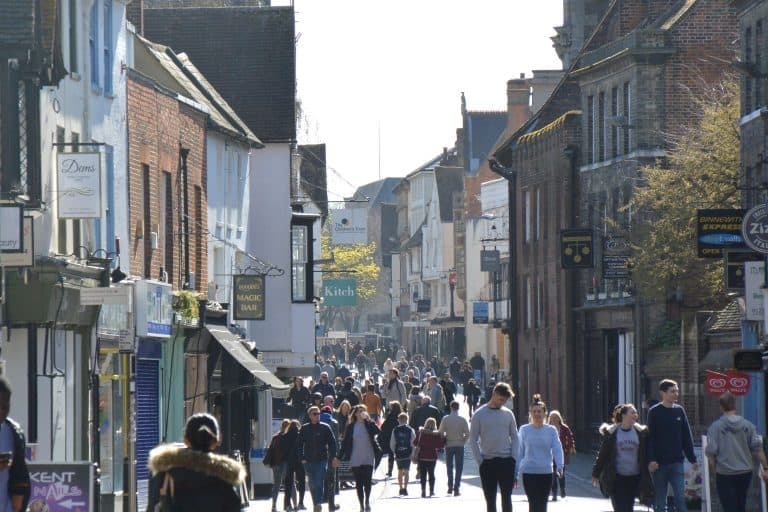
{"points": [[428, 441], [569, 447]]}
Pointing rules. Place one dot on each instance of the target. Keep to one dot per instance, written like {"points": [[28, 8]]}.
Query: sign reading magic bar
{"points": [[576, 248], [248, 297]]}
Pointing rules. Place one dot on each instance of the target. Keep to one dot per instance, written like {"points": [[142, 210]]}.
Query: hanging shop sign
{"points": [[754, 228], [715, 383], [490, 261], [577, 248], [25, 258], [717, 230], [61, 486], [753, 293], [339, 292], [154, 309], [248, 297], [734, 266], [79, 185], [349, 226], [479, 312], [11, 228]]}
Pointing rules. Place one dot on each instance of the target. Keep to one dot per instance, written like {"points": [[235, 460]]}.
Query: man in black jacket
{"points": [[15, 495], [324, 387], [426, 410], [316, 445]]}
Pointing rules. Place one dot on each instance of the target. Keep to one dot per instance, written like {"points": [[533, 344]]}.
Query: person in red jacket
{"points": [[428, 442]]}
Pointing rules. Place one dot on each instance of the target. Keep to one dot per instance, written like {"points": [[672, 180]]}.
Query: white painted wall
{"points": [[228, 171], [478, 335]]}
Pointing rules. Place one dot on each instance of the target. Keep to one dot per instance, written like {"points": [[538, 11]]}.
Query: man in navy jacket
{"points": [[669, 441]]}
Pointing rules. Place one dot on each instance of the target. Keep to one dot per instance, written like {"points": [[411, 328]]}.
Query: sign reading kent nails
{"points": [[79, 185]]}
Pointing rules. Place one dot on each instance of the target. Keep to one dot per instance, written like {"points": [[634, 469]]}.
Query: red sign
{"points": [[452, 278], [738, 383], [715, 383]]}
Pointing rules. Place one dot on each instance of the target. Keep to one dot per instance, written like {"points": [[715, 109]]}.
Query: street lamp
{"points": [[452, 286]]}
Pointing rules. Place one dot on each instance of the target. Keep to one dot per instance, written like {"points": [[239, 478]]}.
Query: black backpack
{"points": [[403, 446]]}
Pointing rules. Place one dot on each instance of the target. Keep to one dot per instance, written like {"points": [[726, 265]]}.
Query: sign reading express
{"points": [[339, 292], [248, 297]]}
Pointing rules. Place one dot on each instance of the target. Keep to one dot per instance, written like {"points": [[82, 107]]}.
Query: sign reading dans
{"points": [[79, 185], [339, 292], [248, 297], [717, 230]]}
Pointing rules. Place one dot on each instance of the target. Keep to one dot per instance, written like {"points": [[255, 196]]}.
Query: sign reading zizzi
{"points": [[79, 185], [248, 297], [754, 228]]}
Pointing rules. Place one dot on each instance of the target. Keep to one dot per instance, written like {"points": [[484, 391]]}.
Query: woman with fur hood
{"points": [[192, 476], [621, 467]]}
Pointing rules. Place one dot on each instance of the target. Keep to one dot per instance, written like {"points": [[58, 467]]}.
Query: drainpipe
{"points": [[183, 154], [571, 152]]}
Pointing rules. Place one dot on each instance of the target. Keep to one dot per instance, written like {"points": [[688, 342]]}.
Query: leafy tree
{"points": [[353, 262], [700, 171]]}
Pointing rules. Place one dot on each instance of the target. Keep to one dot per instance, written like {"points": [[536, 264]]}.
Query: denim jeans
{"points": [[278, 474], [669, 474], [316, 476], [454, 453], [732, 491]]}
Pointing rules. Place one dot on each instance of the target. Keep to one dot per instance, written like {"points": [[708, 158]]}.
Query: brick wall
{"points": [[157, 126]]}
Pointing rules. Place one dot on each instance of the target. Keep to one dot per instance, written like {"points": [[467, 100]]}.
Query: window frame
{"points": [[307, 223]]}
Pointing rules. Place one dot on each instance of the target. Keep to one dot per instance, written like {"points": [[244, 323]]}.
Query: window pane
{"points": [[299, 283], [299, 244]]}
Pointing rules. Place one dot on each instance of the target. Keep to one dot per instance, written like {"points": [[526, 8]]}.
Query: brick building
{"points": [[166, 158], [631, 84]]}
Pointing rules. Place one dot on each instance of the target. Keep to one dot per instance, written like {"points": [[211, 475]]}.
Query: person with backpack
{"points": [[278, 460], [191, 477], [401, 444], [387, 427]]}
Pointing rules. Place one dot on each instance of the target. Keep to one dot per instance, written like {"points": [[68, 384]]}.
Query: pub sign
{"points": [[577, 248], [248, 297]]}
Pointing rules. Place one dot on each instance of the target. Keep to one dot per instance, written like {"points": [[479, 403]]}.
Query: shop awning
{"points": [[233, 344]]}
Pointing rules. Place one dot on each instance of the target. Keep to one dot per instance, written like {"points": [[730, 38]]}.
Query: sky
{"points": [[380, 83]]}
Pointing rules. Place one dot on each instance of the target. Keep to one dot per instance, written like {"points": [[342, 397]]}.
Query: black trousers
{"points": [[624, 493], [363, 476], [498, 472], [537, 487], [295, 479], [427, 471]]}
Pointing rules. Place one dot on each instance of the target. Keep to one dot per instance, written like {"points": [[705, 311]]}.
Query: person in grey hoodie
{"points": [[732, 445], [456, 431]]}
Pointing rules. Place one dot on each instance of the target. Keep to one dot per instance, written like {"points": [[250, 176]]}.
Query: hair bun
{"points": [[537, 397]]}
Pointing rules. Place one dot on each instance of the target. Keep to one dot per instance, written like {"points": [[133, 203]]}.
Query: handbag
{"points": [[165, 504], [415, 454], [268, 456]]}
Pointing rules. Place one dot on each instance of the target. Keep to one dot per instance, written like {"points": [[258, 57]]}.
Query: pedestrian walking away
{"points": [[493, 438], [191, 477], [669, 441], [621, 468], [295, 478], [331, 482], [471, 395], [539, 446], [428, 442], [278, 461], [401, 444], [732, 446], [316, 445], [569, 448], [456, 431], [14, 474], [387, 427], [362, 450]]}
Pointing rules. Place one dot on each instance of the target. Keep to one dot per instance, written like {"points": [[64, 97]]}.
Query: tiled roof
{"points": [[729, 319], [481, 131], [380, 191], [194, 85], [247, 53]]}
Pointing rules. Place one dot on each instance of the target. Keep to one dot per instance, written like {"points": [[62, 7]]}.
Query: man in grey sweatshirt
{"points": [[495, 446], [732, 446], [456, 431]]}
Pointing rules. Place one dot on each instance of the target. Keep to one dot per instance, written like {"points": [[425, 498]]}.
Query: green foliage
{"points": [[357, 262], [701, 172], [185, 303], [667, 334]]}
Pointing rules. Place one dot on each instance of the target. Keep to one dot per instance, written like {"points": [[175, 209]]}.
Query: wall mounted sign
{"points": [[490, 261], [754, 228], [479, 312], [423, 305], [717, 230], [11, 228], [734, 266], [154, 309], [577, 248], [339, 292], [25, 258], [79, 185], [754, 278], [349, 226], [248, 297]]}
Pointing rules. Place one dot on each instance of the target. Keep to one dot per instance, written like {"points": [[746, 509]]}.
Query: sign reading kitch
{"points": [[79, 185]]}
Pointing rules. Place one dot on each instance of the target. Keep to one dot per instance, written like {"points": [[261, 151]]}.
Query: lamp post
{"points": [[452, 287]]}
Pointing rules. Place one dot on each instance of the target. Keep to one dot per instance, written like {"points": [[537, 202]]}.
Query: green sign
{"points": [[339, 292]]}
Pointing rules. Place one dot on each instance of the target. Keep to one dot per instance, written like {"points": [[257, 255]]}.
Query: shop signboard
{"points": [[79, 185], [339, 292], [479, 312], [248, 297], [11, 228], [753, 292], [717, 230], [349, 226], [577, 248], [734, 267], [61, 486], [25, 258], [154, 310], [490, 261], [754, 228]]}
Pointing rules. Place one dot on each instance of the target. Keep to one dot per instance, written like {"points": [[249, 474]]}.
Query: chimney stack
{"points": [[518, 101]]}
